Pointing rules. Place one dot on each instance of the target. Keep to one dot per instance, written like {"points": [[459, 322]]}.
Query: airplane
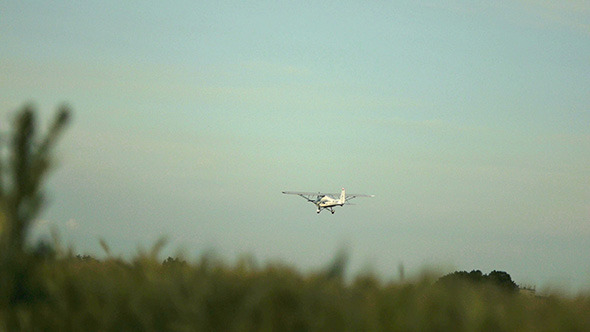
{"points": [[326, 201]]}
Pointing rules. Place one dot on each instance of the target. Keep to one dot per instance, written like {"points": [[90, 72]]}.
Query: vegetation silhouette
{"points": [[499, 279], [46, 288]]}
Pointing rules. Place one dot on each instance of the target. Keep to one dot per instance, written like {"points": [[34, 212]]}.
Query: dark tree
{"points": [[499, 279], [173, 262], [86, 258], [503, 280]]}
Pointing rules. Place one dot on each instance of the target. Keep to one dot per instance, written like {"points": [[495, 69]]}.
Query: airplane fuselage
{"points": [[328, 201]]}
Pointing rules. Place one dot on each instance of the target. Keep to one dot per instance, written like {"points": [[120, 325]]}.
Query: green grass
{"points": [[70, 294], [44, 290]]}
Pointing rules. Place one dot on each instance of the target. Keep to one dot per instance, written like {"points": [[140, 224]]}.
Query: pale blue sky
{"points": [[469, 121]]}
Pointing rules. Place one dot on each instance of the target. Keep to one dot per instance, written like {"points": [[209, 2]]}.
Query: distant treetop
{"points": [[496, 278]]}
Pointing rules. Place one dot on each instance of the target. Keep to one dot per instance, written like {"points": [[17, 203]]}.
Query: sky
{"points": [[468, 120]]}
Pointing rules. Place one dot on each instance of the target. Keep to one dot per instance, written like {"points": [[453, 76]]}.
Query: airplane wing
{"points": [[351, 196], [306, 195]]}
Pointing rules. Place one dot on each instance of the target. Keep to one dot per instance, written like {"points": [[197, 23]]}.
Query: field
{"points": [[82, 294]]}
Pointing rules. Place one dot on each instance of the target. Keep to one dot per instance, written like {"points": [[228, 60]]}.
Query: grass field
{"points": [[74, 294]]}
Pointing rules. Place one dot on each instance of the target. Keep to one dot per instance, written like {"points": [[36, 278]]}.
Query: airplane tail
{"points": [[342, 196]]}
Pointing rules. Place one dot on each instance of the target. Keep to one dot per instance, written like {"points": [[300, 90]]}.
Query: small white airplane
{"points": [[326, 201]]}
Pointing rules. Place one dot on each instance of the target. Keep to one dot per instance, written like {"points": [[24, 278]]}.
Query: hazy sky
{"points": [[469, 121]]}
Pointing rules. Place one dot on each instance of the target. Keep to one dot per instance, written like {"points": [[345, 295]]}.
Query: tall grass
{"points": [[145, 295], [45, 290]]}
